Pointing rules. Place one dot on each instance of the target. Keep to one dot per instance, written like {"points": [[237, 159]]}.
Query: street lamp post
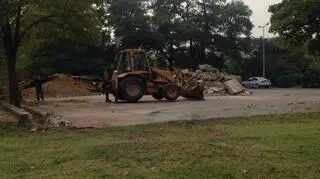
{"points": [[263, 50]]}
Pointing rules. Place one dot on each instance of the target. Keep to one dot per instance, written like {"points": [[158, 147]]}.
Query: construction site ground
{"points": [[92, 111]]}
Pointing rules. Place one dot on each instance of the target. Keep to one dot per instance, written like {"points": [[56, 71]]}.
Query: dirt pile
{"points": [[62, 86], [215, 83]]}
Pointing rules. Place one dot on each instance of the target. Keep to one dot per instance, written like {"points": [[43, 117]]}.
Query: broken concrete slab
{"points": [[23, 116], [47, 120], [35, 111], [38, 119], [6, 118], [208, 68], [234, 87]]}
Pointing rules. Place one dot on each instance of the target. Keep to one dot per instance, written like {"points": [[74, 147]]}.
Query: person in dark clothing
{"points": [[107, 86], [20, 90], [39, 91], [38, 82]]}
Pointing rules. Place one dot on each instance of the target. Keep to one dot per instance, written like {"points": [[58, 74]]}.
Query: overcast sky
{"points": [[260, 14]]}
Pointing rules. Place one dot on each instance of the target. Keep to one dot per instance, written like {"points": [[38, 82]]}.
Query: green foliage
{"points": [[63, 14], [289, 80], [2, 62], [71, 57], [280, 59], [311, 78], [131, 23], [18, 18], [185, 31], [75, 37], [181, 29], [284, 82], [297, 21]]}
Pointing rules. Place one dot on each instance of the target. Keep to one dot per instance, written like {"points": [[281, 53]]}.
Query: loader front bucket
{"points": [[192, 88], [195, 93]]}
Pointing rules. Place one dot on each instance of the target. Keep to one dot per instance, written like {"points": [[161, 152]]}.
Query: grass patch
{"points": [[284, 146]]}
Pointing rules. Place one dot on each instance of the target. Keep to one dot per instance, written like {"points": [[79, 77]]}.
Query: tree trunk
{"points": [[11, 49], [193, 54], [202, 54], [12, 76], [171, 58]]}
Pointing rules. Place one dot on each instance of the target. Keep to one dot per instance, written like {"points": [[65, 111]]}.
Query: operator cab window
{"points": [[116, 62], [139, 62], [124, 63]]}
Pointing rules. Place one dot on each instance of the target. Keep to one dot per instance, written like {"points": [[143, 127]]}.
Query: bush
{"points": [[289, 80], [311, 78]]}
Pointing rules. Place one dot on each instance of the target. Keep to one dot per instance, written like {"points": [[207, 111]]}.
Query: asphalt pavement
{"points": [[92, 111]]}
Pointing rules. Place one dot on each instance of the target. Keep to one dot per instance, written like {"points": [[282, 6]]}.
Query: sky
{"points": [[260, 14]]}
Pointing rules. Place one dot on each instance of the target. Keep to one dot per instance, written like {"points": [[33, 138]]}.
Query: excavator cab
{"points": [[131, 60], [131, 75]]}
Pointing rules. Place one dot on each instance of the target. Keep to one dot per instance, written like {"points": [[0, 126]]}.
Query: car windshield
{"points": [[261, 78], [257, 79]]}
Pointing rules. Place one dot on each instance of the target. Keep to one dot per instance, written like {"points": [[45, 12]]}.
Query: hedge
{"points": [[289, 80], [311, 78]]}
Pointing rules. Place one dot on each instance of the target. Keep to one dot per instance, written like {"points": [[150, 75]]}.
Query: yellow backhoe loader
{"points": [[132, 78]]}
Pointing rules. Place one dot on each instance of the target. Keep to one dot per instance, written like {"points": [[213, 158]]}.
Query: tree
{"points": [[130, 22], [71, 56], [19, 17], [297, 21], [201, 27], [281, 59], [204, 26], [230, 27], [171, 21]]}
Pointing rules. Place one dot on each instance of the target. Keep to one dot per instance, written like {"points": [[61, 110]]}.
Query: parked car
{"points": [[257, 82]]}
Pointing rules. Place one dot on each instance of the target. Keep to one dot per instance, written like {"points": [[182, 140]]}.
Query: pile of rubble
{"points": [[215, 83]]}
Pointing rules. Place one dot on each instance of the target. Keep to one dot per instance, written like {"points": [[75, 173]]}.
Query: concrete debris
{"points": [[185, 71], [24, 117], [42, 122], [215, 83], [208, 68], [234, 87], [248, 92], [37, 119], [35, 129], [58, 122]]}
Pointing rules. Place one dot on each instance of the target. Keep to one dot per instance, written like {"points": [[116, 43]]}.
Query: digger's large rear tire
{"points": [[171, 92], [132, 88]]}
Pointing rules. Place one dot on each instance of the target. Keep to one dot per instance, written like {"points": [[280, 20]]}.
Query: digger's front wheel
{"points": [[132, 88], [171, 92]]}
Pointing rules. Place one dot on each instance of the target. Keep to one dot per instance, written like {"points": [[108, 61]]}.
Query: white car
{"points": [[257, 82]]}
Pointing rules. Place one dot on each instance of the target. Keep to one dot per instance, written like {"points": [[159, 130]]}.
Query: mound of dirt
{"points": [[64, 86]]}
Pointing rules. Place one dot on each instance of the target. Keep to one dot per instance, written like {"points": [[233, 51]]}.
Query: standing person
{"points": [[39, 91], [107, 85], [20, 89]]}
